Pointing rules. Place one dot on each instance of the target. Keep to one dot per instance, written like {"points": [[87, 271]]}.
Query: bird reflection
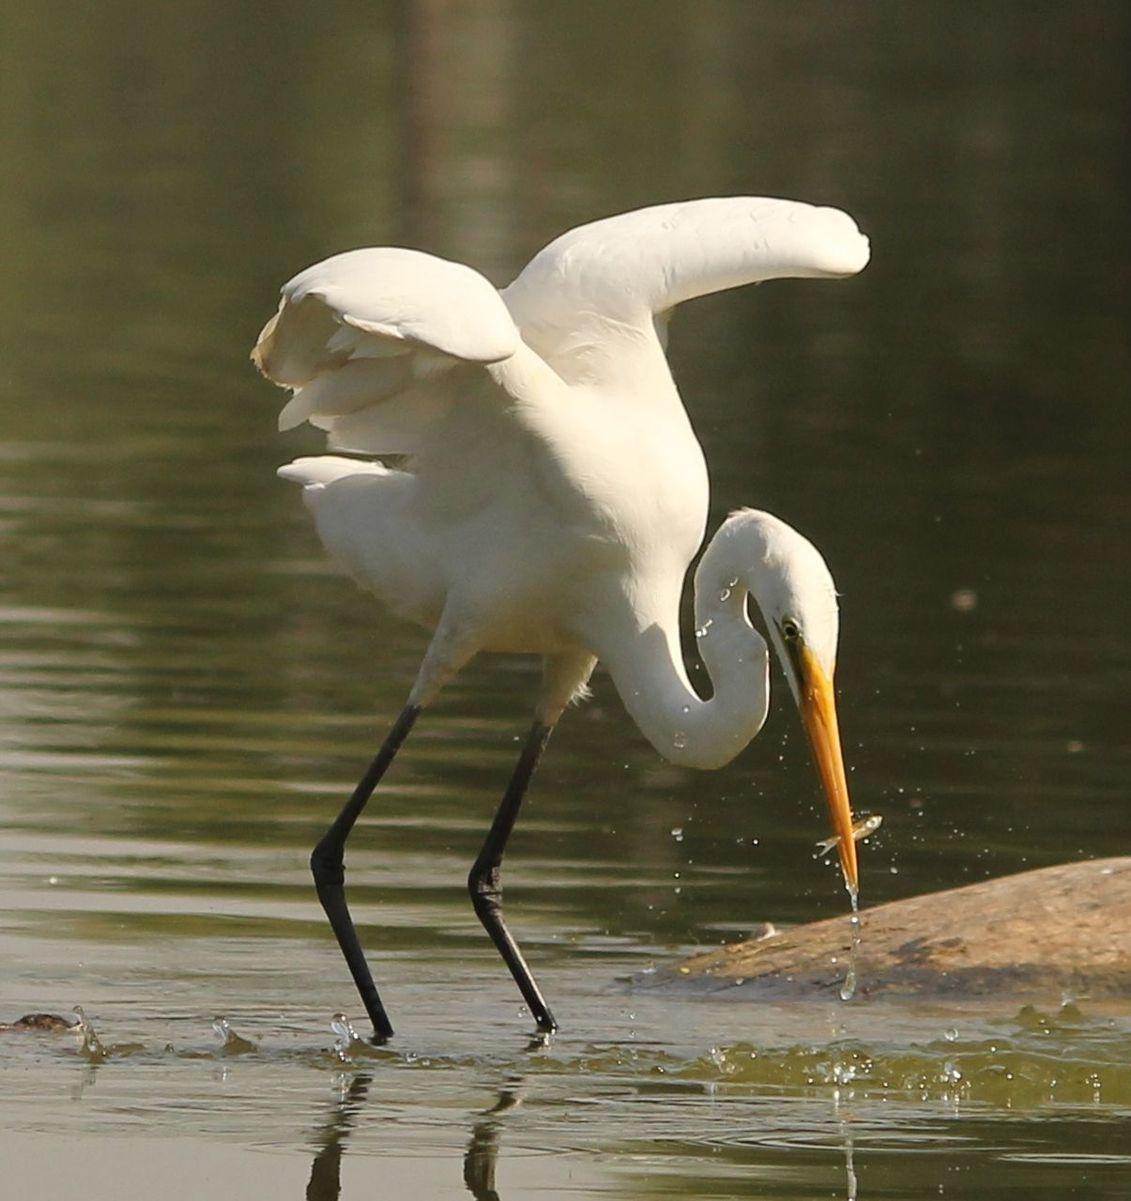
{"points": [[479, 1160], [483, 1151], [326, 1171]]}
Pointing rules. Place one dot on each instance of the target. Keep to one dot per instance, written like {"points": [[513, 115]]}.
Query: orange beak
{"points": [[818, 713]]}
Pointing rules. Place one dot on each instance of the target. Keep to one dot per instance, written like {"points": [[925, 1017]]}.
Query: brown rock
{"points": [[1064, 929]]}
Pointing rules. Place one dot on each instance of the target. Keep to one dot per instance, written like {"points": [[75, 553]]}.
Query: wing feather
{"points": [[368, 341], [621, 275], [359, 337]]}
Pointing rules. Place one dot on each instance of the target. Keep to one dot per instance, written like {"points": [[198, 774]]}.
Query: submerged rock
{"points": [[1063, 930], [51, 1022]]}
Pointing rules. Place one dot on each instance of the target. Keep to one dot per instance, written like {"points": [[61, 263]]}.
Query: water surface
{"points": [[188, 693]]}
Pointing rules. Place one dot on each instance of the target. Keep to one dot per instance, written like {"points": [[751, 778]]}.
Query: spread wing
{"points": [[364, 339], [599, 289], [371, 341]]}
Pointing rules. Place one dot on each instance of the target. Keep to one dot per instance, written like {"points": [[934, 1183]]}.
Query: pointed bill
{"points": [[818, 713]]}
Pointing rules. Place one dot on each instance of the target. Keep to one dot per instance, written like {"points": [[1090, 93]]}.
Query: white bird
{"points": [[553, 494]]}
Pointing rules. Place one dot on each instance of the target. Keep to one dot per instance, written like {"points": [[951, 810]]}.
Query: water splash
{"points": [[231, 1042], [345, 1038], [91, 1046], [842, 1074], [719, 1058], [848, 988]]}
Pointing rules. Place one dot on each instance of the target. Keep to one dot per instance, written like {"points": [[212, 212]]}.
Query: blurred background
{"points": [[180, 669]]}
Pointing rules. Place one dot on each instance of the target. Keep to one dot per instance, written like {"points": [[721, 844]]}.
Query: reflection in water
{"points": [[651, 1118], [843, 1119], [325, 1182], [482, 1155], [479, 1162], [849, 1170]]}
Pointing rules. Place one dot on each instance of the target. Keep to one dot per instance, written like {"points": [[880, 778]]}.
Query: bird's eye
{"points": [[790, 630]]}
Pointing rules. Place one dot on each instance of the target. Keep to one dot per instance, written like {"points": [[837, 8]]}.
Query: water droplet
{"points": [[719, 1058], [346, 1035], [951, 1035], [677, 833], [848, 988], [843, 1073], [679, 740], [950, 1073], [92, 1048], [724, 595], [232, 1043]]}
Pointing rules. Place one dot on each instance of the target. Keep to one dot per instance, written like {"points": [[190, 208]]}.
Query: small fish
{"points": [[861, 830]]}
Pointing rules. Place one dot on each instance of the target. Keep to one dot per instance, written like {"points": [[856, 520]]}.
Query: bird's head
{"points": [[794, 589]]}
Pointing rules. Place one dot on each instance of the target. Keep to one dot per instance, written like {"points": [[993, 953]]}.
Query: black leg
{"points": [[327, 863], [484, 885]]}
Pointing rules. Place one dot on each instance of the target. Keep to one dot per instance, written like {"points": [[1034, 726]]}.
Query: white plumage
{"points": [[554, 492]]}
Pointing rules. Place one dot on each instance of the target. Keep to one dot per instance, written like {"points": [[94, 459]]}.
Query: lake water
{"points": [[188, 692]]}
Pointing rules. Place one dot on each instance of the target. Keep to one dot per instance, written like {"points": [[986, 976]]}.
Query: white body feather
{"points": [[555, 492]]}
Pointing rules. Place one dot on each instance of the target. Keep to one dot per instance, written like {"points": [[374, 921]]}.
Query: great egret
{"points": [[554, 494]]}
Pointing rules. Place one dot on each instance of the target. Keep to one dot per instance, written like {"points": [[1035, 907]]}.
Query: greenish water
{"points": [[186, 692]]}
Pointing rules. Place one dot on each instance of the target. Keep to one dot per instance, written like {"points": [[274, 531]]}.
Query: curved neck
{"points": [[646, 663]]}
